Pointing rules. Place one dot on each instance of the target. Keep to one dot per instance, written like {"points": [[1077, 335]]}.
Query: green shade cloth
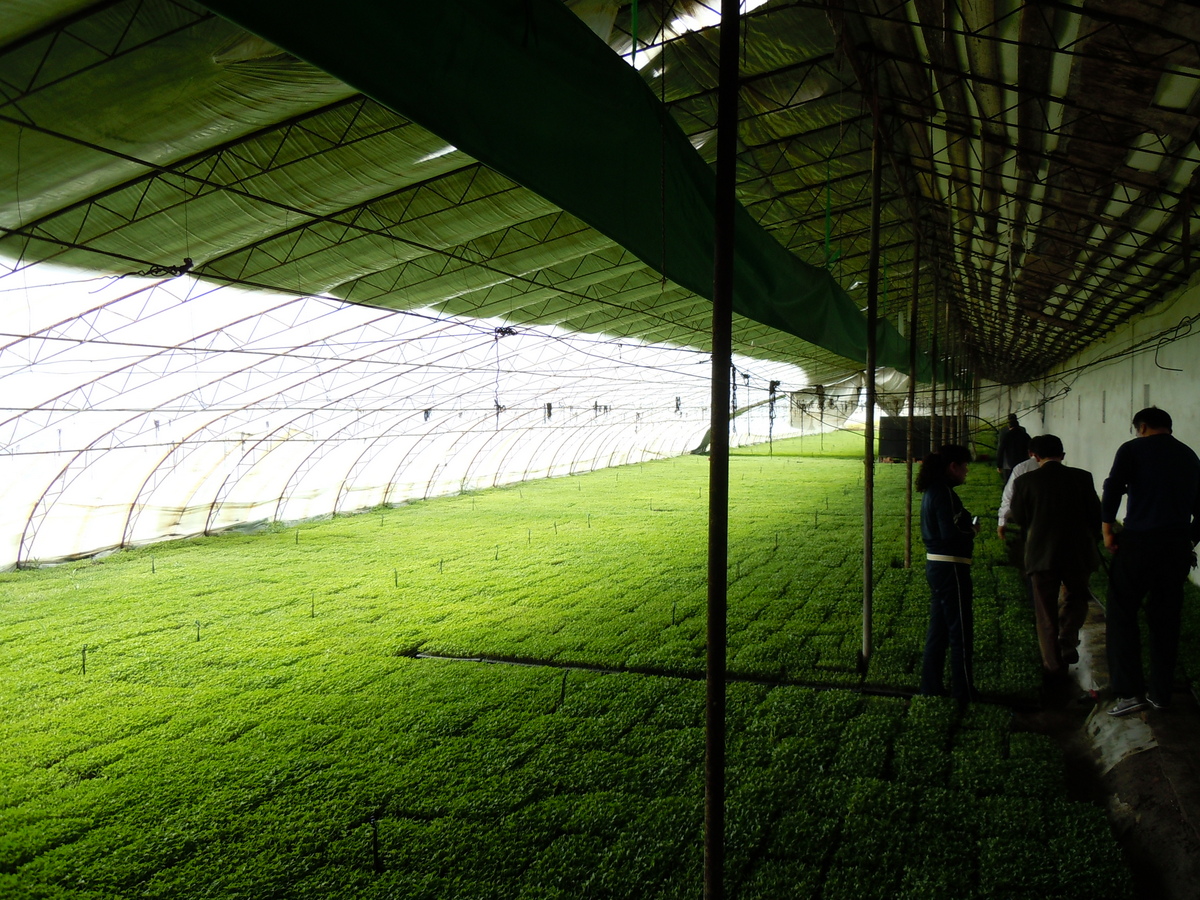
{"points": [[526, 88]]}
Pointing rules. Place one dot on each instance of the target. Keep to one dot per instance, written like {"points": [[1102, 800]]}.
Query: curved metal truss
{"points": [[168, 408]]}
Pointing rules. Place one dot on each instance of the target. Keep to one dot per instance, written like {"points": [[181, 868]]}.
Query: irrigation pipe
{"points": [[865, 690]]}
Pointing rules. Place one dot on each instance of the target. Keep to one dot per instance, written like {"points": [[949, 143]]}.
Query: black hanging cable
{"points": [[502, 331], [733, 373], [774, 386], [157, 271]]}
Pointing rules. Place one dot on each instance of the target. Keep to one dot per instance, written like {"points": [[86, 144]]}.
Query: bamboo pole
{"points": [[948, 416], [934, 429], [718, 477], [912, 397], [869, 439]]}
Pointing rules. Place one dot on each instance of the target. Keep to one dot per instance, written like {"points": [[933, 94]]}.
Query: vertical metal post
{"points": [[1186, 247], [956, 396], [718, 474], [948, 389], [948, 420], [960, 395], [864, 657], [912, 396], [935, 436], [963, 390]]}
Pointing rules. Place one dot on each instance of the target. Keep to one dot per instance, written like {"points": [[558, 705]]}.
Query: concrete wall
{"points": [[1154, 361]]}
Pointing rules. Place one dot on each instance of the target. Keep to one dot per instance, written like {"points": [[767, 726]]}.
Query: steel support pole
{"points": [[935, 433], [912, 397], [864, 657], [948, 415], [956, 408], [718, 473], [1186, 243]]}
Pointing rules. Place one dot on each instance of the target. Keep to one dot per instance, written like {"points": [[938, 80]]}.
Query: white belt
{"points": [[938, 557]]}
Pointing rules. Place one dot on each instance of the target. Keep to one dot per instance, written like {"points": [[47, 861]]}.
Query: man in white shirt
{"points": [[1006, 498]]}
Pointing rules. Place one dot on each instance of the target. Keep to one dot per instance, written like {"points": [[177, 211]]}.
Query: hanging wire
{"points": [[733, 374], [771, 416], [1182, 330], [502, 331], [157, 271]]}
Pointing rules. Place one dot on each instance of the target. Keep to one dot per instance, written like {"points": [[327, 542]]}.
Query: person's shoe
{"points": [[1156, 704], [1126, 705]]}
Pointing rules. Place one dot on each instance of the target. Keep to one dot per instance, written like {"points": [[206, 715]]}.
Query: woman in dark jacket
{"points": [[949, 535]]}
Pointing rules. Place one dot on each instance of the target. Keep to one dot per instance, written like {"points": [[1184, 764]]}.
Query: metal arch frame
{"points": [[451, 453], [691, 331], [358, 463], [501, 443], [388, 495], [55, 29], [454, 261], [308, 218], [391, 481], [313, 220], [150, 356], [257, 453], [594, 436], [1023, 134], [43, 334], [560, 436], [182, 170], [227, 486], [153, 479], [464, 434], [41, 509], [349, 218], [362, 462], [184, 445], [334, 217]]}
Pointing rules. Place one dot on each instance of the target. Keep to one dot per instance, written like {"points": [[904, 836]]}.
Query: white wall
{"points": [[1154, 361], [1089, 400]]}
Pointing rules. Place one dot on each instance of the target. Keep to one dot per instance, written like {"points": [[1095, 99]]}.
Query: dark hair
{"points": [[1046, 446], [1012, 420], [1152, 417], [934, 466]]}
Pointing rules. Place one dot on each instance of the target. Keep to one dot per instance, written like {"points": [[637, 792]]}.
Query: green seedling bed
{"points": [[244, 716]]}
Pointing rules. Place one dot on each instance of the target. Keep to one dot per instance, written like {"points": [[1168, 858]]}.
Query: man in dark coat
{"points": [[1011, 449], [1159, 477], [1059, 511]]}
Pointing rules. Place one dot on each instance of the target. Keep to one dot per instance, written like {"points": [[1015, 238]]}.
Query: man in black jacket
{"points": [[1059, 513], [1011, 449], [1160, 477]]}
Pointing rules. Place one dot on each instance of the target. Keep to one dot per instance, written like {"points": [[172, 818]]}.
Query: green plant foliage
{"points": [[253, 721]]}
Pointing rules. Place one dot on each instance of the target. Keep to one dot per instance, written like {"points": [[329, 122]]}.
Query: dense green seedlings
{"points": [[297, 749]]}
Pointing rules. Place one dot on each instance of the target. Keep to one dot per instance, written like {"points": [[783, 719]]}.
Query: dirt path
{"points": [[1144, 769]]}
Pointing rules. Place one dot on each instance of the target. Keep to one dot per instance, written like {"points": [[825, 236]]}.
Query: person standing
{"points": [[949, 535], [1014, 549], [1006, 495], [1012, 448], [1059, 513], [1160, 478]]}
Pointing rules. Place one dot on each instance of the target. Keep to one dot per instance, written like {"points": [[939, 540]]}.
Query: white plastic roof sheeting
{"points": [[138, 410]]}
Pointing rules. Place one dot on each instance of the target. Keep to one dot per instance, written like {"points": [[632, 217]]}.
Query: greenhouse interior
{"points": [[467, 449]]}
